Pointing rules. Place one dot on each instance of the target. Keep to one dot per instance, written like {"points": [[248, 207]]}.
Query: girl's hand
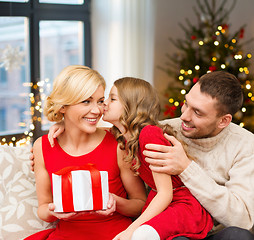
{"points": [[54, 131], [125, 235], [31, 157]]}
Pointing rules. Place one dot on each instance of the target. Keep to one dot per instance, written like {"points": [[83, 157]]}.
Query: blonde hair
{"points": [[73, 85], [141, 108]]}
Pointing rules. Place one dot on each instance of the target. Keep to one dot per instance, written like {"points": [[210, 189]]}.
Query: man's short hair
{"points": [[225, 88]]}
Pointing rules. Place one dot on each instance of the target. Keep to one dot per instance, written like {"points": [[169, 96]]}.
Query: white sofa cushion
{"points": [[18, 200]]}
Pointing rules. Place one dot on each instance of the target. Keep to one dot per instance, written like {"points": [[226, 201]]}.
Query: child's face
{"points": [[113, 108], [85, 115]]}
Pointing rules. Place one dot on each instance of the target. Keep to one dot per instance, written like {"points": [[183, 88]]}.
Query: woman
{"points": [[78, 98]]}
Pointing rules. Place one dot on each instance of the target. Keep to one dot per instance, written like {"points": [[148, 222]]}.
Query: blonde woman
{"points": [[78, 98]]}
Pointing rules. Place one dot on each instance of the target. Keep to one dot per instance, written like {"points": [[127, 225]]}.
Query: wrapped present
{"points": [[80, 189]]}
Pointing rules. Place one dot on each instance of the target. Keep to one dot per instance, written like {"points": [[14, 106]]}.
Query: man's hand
{"points": [[171, 160]]}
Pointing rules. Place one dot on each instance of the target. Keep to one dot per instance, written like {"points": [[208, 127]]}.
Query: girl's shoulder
{"points": [[151, 130], [152, 134]]}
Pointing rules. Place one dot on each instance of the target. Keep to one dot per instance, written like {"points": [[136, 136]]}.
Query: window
{"points": [[37, 40]]}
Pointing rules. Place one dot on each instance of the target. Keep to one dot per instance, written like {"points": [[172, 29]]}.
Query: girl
{"points": [[78, 97], [170, 210]]}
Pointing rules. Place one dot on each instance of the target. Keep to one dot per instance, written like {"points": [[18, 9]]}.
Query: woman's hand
{"points": [[63, 216], [111, 206]]}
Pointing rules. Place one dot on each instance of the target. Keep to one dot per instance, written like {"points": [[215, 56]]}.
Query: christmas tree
{"points": [[210, 46]]}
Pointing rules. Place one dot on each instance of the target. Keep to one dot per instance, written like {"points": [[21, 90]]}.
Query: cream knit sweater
{"points": [[222, 175]]}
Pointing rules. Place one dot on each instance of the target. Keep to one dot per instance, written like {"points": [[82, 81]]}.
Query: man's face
{"points": [[199, 115]]}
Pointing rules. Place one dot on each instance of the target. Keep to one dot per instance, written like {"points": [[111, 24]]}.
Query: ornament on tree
{"points": [[11, 58]]}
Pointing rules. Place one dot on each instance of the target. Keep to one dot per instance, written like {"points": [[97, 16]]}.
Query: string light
{"points": [[216, 43], [183, 91], [201, 43], [197, 67], [35, 106], [171, 100]]}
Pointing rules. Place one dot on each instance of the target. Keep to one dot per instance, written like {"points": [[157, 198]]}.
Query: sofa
{"points": [[18, 200]]}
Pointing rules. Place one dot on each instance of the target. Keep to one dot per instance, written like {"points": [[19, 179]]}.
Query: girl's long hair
{"points": [[141, 108]]}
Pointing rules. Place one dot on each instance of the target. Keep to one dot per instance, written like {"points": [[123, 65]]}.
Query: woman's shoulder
{"points": [[37, 142]]}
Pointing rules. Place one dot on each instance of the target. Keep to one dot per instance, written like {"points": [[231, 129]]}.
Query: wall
{"points": [[169, 13]]}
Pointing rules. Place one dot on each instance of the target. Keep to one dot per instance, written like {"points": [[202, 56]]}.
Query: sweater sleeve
{"points": [[230, 203]]}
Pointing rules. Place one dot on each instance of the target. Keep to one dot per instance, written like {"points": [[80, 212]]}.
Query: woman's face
{"points": [[85, 115], [113, 108]]}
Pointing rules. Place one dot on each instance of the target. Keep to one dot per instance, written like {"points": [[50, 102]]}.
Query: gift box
{"points": [[80, 189]]}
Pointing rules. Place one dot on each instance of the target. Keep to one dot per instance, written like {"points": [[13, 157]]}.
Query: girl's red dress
{"points": [[184, 216], [90, 226]]}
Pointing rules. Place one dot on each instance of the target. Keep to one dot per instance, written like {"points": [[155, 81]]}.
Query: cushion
{"points": [[18, 200]]}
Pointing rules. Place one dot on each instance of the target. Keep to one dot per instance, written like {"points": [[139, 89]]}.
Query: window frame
{"points": [[36, 12]]}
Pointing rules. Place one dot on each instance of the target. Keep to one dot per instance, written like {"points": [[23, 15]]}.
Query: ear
{"points": [[62, 109], [224, 121]]}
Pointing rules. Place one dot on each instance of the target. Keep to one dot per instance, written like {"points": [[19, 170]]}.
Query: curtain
{"points": [[123, 39]]}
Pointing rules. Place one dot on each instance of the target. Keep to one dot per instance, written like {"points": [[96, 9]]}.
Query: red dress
{"points": [[184, 216], [87, 227]]}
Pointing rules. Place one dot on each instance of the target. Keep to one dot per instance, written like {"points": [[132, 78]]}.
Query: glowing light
{"points": [[248, 86], [249, 55], [189, 72], [181, 78], [182, 71], [226, 45], [214, 59], [176, 104], [216, 43], [171, 100], [240, 69], [217, 33], [183, 91], [241, 124], [238, 56], [244, 109], [233, 40], [201, 43], [197, 67], [223, 66], [249, 94], [219, 27]]}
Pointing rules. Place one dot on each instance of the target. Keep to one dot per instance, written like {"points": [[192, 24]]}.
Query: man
{"points": [[221, 176]]}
